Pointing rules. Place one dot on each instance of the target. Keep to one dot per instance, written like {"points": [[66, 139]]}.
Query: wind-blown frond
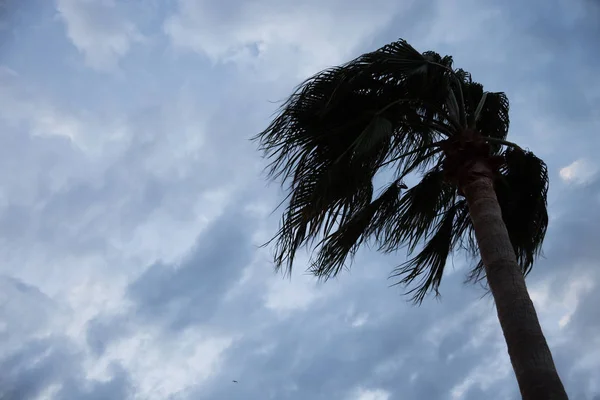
{"points": [[493, 118], [487, 112], [336, 247], [319, 200], [385, 105], [336, 107], [428, 265], [412, 113], [418, 210], [522, 190]]}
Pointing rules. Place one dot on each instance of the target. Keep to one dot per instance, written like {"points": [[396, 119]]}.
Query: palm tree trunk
{"points": [[527, 347]]}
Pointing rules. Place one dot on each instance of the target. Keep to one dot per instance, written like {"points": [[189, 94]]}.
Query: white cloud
{"points": [[26, 110], [49, 393], [370, 394], [576, 289], [303, 37], [99, 31], [285, 296], [555, 308], [164, 365], [493, 368], [579, 171], [360, 320]]}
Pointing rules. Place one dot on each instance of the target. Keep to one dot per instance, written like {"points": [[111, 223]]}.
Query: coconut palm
{"points": [[398, 112]]}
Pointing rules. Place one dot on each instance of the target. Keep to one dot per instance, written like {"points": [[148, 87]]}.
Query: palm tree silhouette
{"points": [[407, 112]]}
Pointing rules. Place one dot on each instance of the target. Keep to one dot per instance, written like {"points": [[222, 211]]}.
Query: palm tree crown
{"points": [[406, 112]]}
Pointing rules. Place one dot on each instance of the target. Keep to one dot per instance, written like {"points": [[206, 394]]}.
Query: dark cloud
{"points": [[190, 293], [118, 386], [104, 329], [32, 363], [40, 364], [572, 252], [317, 354], [64, 205]]}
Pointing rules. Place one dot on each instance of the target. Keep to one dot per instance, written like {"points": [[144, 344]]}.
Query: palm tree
{"points": [[408, 113]]}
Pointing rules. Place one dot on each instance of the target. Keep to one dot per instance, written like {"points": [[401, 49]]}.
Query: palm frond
{"points": [[428, 265], [477, 114], [413, 113], [335, 107], [320, 199], [378, 130], [477, 273], [348, 119], [487, 112], [522, 191], [336, 247], [418, 211], [493, 120], [464, 239]]}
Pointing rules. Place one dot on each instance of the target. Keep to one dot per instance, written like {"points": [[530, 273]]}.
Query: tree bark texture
{"points": [[527, 347]]}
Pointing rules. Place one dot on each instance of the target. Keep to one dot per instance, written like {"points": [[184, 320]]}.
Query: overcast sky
{"points": [[132, 203]]}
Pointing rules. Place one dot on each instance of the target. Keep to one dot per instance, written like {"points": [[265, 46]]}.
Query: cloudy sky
{"points": [[132, 203]]}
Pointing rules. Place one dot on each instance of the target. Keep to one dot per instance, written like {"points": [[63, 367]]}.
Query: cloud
{"points": [[171, 291], [579, 171], [132, 206], [286, 296], [99, 31], [91, 209], [164, 365], [273, 33], [37, 359], [367, 394], [574, 254]]}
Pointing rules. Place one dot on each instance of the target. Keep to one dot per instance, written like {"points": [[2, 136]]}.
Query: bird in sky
{"points": [[234, 381]]}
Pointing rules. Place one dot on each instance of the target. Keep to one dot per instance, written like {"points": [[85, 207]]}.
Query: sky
{"points": [[133, 204]]}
